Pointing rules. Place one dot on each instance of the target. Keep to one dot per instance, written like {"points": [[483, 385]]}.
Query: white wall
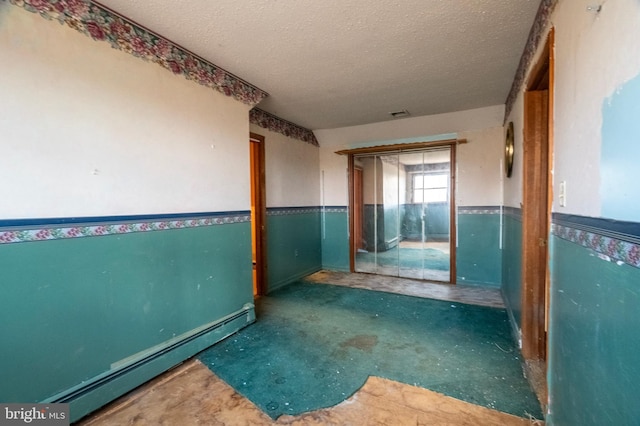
{"points": [[480, 167], [372, 183], [292, 170], [591, 65], [88, 130], [334, 177], [512, 192], [481, 179], [391, 190], [413, 127]]}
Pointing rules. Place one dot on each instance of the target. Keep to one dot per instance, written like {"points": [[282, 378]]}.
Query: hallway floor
{"points": [[414, 260], [192, 394], [472, 295]]}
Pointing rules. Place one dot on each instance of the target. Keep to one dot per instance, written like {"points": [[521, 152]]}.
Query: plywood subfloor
{"points": [[192, 395]]}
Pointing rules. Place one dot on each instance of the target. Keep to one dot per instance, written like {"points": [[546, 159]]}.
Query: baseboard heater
{"points": [[134, 362], [391, 243]]}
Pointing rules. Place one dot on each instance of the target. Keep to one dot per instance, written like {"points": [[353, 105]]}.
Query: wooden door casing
{"points": [[535, 228]]}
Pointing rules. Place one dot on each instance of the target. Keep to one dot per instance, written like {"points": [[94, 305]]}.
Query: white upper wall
{"points": [[480, 167], [512, 188], [91, 131], [595, 54], [594, 57], [292, 170], [334, 180], [413, 127], [479, 161]]}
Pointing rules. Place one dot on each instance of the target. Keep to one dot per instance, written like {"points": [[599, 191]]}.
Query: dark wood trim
{"points": [[400, 147], [452, 202], [452, 218], [551, 43], [539, 75], [261, 218], [537, 195], [352, 244], [534, 224]]}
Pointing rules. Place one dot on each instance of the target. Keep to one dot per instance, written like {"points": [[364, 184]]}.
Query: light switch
{"points": [[563, 194]]}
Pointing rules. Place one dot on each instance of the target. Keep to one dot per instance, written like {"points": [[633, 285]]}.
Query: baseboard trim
{"points": [[138, 369], [292, 278], [335, 268], [516, 333]]}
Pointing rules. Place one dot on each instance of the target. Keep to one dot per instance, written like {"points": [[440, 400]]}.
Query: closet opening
{"points": [[402, 210]]}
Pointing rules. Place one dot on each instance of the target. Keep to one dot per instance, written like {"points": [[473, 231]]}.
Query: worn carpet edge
{"points": [[209, 400], [399, 403]]}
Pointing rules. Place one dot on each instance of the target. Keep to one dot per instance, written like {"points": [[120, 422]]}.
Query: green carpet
{"points": [[408, 258], [314, 345]]}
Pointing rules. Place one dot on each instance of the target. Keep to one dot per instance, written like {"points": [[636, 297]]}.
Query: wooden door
{"points": [[537, 200], [258, 213], [535, 224]]}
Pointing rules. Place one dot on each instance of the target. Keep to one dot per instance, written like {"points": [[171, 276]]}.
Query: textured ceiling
{"points": [[335, 63]]}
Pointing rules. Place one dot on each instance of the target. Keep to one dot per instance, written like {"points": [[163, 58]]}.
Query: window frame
{"points": [[416, 174]]}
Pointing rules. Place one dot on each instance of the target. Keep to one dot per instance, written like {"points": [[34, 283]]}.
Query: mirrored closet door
{"points": [[402, 213]]}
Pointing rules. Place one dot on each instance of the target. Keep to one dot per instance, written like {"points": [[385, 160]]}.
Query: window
{"points": [[430, 188]]}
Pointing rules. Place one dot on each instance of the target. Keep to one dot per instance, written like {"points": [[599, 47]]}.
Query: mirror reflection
{"points": [[402, 213]]}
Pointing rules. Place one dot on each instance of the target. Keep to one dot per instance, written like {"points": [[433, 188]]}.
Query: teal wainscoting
{"points": [[512, 265], [594, 365], [392, 218], [335, 238], [87, 318], [436, 219], [478, 257], [293, 244], [411, 225], [373, 231]]}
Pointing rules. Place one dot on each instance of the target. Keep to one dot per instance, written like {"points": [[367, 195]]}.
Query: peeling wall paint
{"points": [[620, 153], [594, 296]]}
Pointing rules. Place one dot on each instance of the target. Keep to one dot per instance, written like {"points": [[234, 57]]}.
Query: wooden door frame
{"points": [[536, 210], [400, 148], [352, 229], [453, 230], [358, 212], [261, 216]]}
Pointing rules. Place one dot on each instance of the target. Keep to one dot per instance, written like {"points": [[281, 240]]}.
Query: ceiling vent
{"points": [[400, 114]]}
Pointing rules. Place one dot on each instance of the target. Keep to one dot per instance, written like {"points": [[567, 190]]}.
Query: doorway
{"points": [[536, 209], [258, 213], [402, 219]]}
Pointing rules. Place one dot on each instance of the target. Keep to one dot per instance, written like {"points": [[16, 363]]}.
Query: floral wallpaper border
{"points": [[335, 209], [535, 36], [514, 212], [44, 233], [479, 209], [609, 248], [611, 245], [276, 124], [102, 24], [287, 211]]}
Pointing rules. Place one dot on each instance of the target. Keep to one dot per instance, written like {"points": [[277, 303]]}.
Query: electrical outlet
{"points": [[295, 252]]}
